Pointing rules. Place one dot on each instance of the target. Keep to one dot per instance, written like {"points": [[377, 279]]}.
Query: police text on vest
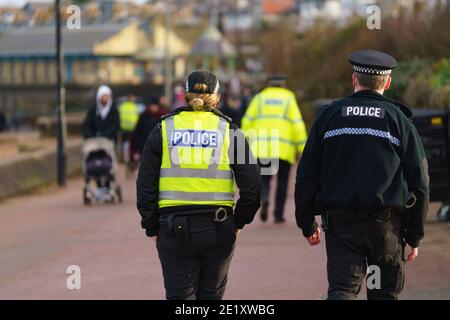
{"points": [[363, 111], [194, 138]]}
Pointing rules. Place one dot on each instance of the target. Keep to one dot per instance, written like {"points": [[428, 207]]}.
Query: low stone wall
{"points": [[27, 172], [47, 124]]}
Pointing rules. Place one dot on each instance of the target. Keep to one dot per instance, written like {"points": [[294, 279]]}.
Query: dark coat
{"points": [[95, 126], [147, 121], [234, 114], [363, 153]]}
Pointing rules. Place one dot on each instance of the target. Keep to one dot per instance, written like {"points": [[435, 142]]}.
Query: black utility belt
{"points": [[221, 214], [342, 217], [178, 225], [365, 214]]}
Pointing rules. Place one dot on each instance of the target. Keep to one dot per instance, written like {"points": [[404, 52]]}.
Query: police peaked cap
{"points": [[372, 62]]}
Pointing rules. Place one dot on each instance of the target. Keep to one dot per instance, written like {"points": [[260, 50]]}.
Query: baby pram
{"points": [[100, 165]]}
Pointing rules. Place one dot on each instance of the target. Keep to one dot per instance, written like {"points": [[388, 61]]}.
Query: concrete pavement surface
{"points": [[44, 233]]}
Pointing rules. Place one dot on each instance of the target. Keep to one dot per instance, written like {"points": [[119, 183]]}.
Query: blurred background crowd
{"points": [[143, 50], [124, 44]]}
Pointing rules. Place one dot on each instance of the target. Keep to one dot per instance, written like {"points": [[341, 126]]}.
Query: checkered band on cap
{"points": [[216, 88], [371, 70]]}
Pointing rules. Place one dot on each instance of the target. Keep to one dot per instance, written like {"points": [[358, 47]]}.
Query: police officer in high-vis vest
{"points": [[129, 115], [274, 126], [364, 169], [186, 192]]}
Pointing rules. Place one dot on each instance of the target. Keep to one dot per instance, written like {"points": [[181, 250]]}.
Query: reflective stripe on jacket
{"points": [[274, 126], [129, 115]]}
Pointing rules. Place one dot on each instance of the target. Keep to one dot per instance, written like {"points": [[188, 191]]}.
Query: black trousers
{"points": [[197, 267], [282, 186], [352, 246]]}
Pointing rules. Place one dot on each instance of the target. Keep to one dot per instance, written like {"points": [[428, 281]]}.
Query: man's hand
{"points": [[314, 240], [154, 239], [414, 253]]}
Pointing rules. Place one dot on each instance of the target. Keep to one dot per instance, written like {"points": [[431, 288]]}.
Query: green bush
{"points": [[430, 87], [441, 73], [406, 73], [440, 98], [418, 92]]}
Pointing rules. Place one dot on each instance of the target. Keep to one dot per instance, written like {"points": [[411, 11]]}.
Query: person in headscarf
{"points": [[102, 119]]}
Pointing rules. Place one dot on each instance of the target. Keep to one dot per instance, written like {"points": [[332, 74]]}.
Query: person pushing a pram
{"points": [[100, 129]]}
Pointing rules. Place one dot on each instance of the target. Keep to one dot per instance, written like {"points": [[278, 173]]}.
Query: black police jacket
{"points": [[363, 153], [246, 176]]}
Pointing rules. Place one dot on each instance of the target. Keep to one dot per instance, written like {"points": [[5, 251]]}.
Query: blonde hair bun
{"points": [[197, 103]]}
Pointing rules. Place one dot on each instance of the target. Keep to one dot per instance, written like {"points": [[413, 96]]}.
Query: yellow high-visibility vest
{"points": [[195, 167], [274, 126], [129, 115]]}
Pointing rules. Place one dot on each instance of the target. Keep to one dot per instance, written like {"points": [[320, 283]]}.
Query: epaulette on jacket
{"points": [[404, 108], [220, 114], [172, 113]]}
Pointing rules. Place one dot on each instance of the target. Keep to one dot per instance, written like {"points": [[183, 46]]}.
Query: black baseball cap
{"points": [[372, 62], [276, 80], [277, 77], [204, 77]]}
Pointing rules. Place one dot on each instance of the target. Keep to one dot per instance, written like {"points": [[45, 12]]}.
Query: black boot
{"points": [[264, 211]]}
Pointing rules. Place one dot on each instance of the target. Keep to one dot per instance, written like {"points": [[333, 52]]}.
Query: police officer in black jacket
{"points": [[364, 170], [187, 204]]}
